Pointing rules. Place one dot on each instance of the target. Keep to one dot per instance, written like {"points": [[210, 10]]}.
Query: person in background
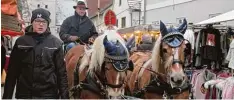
{"points": [[78, 26], [146, 43], [37, 63]]}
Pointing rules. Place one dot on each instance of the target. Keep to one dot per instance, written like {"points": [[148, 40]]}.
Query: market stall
{"points": [[11, 28], [212, 71]]}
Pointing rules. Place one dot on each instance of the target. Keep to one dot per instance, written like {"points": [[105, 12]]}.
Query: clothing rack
{"points": [[219, 27]]}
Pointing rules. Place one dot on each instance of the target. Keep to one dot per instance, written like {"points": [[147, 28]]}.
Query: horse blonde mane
{"points": [[98, 53], [85, 60], [156, 59]]}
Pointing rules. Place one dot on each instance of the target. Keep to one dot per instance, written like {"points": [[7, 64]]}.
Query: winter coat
{"points": [[76, 25], [37, 65]]}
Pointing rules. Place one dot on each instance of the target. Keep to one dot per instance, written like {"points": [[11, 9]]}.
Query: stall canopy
{"points": [[229, 16]]}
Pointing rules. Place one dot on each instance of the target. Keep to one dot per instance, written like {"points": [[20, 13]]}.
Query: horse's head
{"points": [[110, 61], [168, 54]]}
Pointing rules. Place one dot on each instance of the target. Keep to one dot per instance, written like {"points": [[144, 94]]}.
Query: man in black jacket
{"points": [[37, 63], [78, 26]]}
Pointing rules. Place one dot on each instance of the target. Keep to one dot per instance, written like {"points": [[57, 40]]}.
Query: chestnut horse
{"points": [[102, 70], [162, 76]]}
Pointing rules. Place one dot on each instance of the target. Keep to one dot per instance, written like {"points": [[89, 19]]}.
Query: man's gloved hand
{"points": [[91, 40], [73, 38]]}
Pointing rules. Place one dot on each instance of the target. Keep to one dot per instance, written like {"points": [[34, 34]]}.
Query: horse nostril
{"points": [[183, 78], [172, 79]]}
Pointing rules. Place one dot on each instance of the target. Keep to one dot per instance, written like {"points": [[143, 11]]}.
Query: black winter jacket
{"points": [[79, 26], [37, 66]]}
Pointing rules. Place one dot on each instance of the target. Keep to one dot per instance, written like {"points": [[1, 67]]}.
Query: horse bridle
{"points": [[100, 81], [105, 78], [174, 60]]}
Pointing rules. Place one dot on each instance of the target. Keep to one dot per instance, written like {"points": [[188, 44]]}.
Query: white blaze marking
{"points": [[176, 56], [117, 80]]}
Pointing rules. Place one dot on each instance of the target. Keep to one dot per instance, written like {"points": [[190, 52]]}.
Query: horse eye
{"points": [[164, 50]]}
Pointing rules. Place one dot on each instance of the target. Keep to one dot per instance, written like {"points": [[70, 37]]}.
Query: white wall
{"points": [[64, 9], [122, 11], [194, 10], [149, 2]]}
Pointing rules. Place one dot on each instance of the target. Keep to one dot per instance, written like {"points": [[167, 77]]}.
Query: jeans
{"points": [[70, 45]]}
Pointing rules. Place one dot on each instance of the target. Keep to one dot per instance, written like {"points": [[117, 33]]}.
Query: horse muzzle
{"points": [[177, 79]]}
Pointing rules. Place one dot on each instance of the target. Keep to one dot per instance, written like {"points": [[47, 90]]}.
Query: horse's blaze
{"points": [[176, 67]]}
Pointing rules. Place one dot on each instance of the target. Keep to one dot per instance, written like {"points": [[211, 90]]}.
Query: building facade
{"points": [[173, 11], [92, 13], [122, 11]]}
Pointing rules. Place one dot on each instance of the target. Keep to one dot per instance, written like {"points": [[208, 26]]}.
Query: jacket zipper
{"points": [[33, 72], [24, 46]]}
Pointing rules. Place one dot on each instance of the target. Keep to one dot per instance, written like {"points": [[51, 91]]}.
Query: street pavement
{"points": [[2, 90]]}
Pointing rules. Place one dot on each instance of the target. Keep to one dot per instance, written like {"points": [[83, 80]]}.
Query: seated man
{"points": [[77, 27]]}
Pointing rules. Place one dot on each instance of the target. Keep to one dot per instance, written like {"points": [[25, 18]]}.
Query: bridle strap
{"points": [[177, 61], [114, 86]]}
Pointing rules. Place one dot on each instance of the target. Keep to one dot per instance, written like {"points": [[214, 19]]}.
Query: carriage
{"points": [[111, 70]]}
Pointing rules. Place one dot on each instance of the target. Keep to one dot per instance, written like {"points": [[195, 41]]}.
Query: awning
{"points": [[229, 16], [126, 30]]}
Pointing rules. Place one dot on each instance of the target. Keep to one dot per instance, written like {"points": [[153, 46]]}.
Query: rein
{"points": [[158, 85], [101, 85]]}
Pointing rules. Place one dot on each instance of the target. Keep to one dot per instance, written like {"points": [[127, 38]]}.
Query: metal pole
{"points": [[131, 17], [98, 14], [140, 17], [140, 13], [145, 1]]}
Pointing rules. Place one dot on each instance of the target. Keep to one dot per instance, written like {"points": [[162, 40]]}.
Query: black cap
{"points": [[80, 4], [40, 13]]}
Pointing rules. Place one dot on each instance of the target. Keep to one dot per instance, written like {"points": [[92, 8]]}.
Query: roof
{"points": [[220, 18], [93, 6]]}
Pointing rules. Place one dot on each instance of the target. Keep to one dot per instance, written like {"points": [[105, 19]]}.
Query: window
{"points": [[38, 5], [117, 23], [180, 20], [123, 22], [120, 2], [46, 6]]}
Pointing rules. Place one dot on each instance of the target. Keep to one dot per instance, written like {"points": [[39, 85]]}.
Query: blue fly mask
{"points": [[173, 37], [116, 54]]}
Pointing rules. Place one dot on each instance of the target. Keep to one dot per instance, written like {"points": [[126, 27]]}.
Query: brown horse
{"points": [[162, 76], [138, 58], [102, 70], [71, 58]]}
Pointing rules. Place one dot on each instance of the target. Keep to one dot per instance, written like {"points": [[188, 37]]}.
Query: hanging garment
{"points": [[189, 35], [211, 49], [228, 90], [204, 76], [197, 50], [230, 56], [208, 47]]}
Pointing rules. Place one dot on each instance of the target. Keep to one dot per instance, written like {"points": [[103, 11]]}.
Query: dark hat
{"points": [[40, 13], [80, 4]]}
